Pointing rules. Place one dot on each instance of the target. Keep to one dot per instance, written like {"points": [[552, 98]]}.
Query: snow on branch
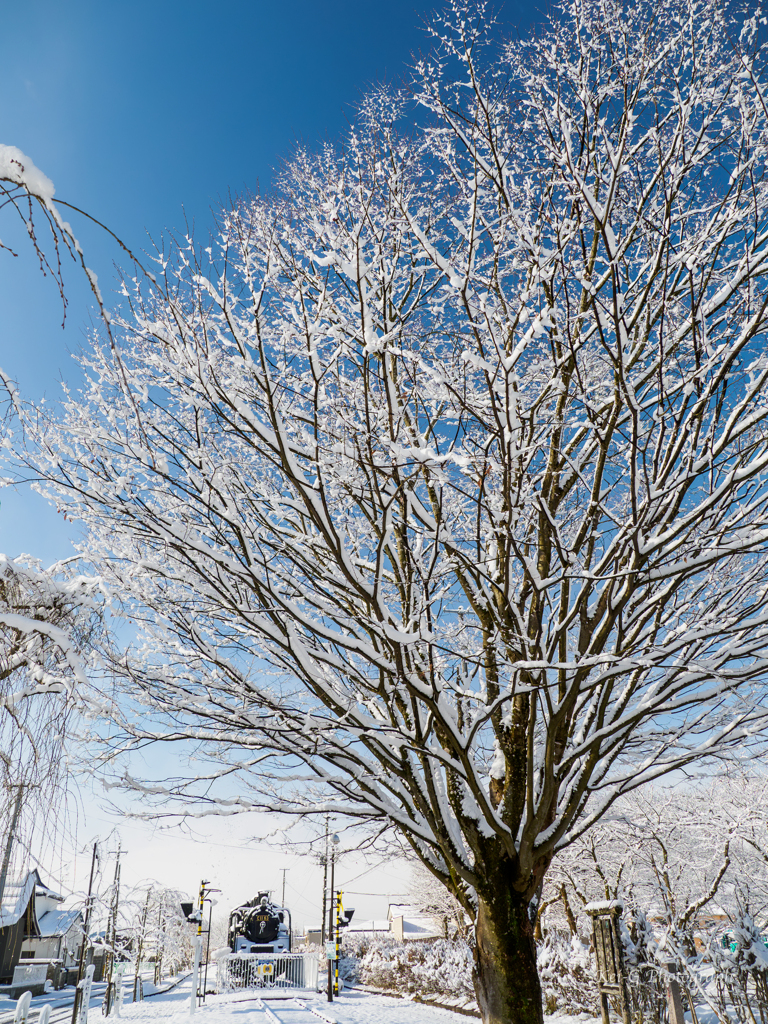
{"points": [[438, 483]]}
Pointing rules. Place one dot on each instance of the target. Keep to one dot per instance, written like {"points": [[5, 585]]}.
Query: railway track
{"points": [[61, 1013], [291, 1011], [284, 1010], [58, 1014]]}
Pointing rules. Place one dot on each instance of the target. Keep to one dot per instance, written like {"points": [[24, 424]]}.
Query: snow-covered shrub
{"points": [[567, 972], [740, 961], [646, 969], [442, 968], [430, 967]]}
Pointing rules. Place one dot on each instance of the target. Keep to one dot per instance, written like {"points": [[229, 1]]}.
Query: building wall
{"points": [[46, 948], [10, 947]]}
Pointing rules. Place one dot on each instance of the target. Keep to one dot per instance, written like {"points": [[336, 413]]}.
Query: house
{"points": [[406, 924], [17, 920], [60, 932], [371, 929]]}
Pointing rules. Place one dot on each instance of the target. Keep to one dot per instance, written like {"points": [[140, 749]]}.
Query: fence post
{"points": [[85, 994], [22, 1008]]}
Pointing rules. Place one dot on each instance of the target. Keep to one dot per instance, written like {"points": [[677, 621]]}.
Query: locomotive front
{"points": [[260, 926]]}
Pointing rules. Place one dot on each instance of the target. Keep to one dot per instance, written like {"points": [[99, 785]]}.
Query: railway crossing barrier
{"points": [[267, 970]]}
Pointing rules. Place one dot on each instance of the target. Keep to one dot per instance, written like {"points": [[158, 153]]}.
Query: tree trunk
{"points": [[506, 976]]}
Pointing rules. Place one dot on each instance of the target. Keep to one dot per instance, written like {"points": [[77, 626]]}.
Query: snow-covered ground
{"points": [[352, 1007], [242, 1007]]}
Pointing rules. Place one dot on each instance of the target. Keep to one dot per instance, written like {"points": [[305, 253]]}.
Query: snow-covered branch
{"points": [[441, 479]]}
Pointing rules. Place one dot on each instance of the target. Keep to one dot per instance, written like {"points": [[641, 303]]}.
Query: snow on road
{"points": [[242, 1008]]}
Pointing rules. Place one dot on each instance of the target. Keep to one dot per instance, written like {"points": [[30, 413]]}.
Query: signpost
{"points": [[609, 953]]}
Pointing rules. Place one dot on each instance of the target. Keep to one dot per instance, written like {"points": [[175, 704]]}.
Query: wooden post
{"points": [[674, 998], [609, 954], [84, 947]]}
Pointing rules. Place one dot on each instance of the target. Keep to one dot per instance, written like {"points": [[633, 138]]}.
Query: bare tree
{"points": [[674, 852], [429, 896], [49, 617], [158, 929], [438, 482]]}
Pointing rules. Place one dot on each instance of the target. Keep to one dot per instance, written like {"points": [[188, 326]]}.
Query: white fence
{"points": [[267, 970]]}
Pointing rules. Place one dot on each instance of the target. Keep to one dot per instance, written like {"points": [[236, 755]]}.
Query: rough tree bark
{"points": [[505, 974]]}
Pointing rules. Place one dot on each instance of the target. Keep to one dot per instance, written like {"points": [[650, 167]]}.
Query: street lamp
{"points": [[334, 843]]}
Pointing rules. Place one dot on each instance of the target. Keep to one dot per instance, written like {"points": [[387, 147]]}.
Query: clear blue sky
{"points": [[143, 112]]}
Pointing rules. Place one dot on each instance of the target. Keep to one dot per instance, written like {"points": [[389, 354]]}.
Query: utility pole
{"points": [[86, 926], [325, 885], [140, 950], [112, 930], [11, 836], [331, 963], [284, 870], [160, 943]]}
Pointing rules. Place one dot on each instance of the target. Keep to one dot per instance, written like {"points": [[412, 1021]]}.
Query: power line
{"points": [[389, 895]]}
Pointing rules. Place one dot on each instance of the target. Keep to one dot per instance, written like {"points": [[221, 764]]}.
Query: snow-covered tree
{"points": [[48, 616], [429, 896], [438, 481], [680, 855], [157, 928]]}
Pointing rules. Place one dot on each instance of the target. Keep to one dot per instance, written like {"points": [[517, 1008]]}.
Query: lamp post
{"points": [[331, 908]]}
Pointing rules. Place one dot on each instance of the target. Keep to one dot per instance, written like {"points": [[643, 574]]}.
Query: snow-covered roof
{"points": [[58, 922], [43, 890], [713, 910], [16, 896], [399, 910], [603, 906], [368, 926]]}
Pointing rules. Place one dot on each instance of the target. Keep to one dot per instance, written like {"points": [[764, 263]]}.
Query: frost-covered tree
{"points": [[429, 896], [157, 928], [438, 481], [674, 854], [48, 616], [45, 614]]}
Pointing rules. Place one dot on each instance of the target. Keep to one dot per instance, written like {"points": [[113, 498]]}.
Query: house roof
{"points": [[58, 922], [16, 896], [43, 890], [400, 910]]}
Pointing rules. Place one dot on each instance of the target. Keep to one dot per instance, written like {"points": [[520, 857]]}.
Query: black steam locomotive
{"points": [[260, 926]]}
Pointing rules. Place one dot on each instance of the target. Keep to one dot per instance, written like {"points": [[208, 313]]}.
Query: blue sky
{"points": [[145, 112]]}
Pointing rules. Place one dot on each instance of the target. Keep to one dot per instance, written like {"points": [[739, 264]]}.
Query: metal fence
{"points": [[267, 970]]}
